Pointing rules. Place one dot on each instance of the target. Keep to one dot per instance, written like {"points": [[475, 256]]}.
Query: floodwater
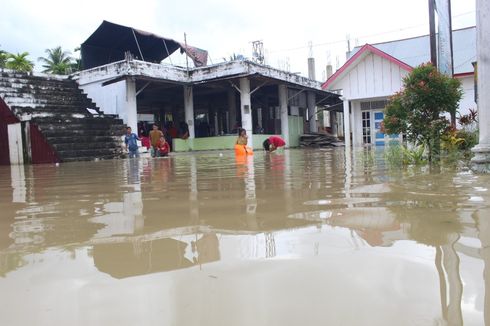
{"points": [[298, 237]]}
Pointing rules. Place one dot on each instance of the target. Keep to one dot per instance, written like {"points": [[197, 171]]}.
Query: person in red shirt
{"points": [[272, 143], [162, 147]]}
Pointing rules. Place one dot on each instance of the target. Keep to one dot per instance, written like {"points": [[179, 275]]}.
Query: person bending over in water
{"points": [[162, 147], [272, 143]]}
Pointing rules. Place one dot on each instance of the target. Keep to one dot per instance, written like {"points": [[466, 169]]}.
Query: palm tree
{"points": [[3, 58], [19, 62], [57, 61], [76, 65]]}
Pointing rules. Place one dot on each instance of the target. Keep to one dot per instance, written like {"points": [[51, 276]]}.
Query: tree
{"points": [[57, 61], [76, 65], [3, 58], [418, 110], [19, 62]]}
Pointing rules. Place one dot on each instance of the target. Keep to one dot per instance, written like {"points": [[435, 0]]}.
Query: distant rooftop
{"points": [[415, 51]]}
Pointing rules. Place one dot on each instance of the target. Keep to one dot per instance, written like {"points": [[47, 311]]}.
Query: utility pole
{"points": [[186, 56], [432, 28]]}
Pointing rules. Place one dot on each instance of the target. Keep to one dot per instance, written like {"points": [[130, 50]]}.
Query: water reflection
{"points": [[365, 234]]}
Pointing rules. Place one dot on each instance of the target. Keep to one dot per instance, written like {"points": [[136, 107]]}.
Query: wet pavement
{"points": [[298, 237]]}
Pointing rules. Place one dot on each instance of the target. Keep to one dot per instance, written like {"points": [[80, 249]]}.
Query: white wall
{"points": [[372, 76], [15, 143], [356, 123], [111, 98], [468, 100]]}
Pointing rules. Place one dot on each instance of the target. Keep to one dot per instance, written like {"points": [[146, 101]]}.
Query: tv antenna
{"points": [[258, 51]]}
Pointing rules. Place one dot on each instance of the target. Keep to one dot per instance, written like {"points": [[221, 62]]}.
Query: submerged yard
{"points": [[310, 237]]}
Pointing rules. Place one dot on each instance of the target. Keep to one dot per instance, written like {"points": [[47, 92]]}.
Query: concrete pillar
{"points": [[246, 108], [189, 109], [481, 161], [346, 124], [483, 223], [19, 189], [311, 99], [283, 105], [131, 106], [333, 123], [16, 147], [231, 109]]}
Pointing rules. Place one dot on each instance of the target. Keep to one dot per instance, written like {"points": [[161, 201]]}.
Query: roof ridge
{"points": [[410, 38]]}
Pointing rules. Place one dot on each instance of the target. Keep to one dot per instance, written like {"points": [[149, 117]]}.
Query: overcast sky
{"points": [[224, 27]]}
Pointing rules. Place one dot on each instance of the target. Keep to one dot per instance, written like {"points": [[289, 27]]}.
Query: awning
{"points": [[110, 42]]}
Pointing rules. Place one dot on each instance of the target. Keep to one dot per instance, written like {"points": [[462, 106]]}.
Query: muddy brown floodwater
{"points": [[298, 237]]}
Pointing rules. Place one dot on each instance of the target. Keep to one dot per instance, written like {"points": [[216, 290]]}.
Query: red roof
{"points": [[355, 57]]}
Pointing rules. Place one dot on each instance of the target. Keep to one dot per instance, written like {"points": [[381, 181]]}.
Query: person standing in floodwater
{"points": [[241, 147], [272, 143], [155, 135], [242, 137], [131, 143]]}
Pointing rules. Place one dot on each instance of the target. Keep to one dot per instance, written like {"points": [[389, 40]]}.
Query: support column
{"points": [[333, 123], [231, 109], [346, 124], [481, 161], [246, 108], [283, 105], [312, 111], [131, 106], [483, 223], [189, 109]]}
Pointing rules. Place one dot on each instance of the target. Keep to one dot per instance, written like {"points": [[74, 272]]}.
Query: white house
{"points": [[374, 72]]}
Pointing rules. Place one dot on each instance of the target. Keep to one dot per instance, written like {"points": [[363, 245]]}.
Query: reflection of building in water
{"points": [[138, 257]]}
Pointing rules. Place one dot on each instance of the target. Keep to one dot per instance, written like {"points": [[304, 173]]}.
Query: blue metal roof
{"points": [[415, 51]]}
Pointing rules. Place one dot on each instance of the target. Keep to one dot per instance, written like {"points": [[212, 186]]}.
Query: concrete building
{"points": [[126, 78], [375, 72]]}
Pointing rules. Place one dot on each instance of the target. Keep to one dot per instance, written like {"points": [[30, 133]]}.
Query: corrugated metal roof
{"points": [[415, 51]]}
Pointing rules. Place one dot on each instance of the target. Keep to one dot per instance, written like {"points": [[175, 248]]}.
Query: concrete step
{"points": [[83, 138], [85, 146], [95, 153], [33, 89], [33, 114], [59, 109], [90, 158], [117, 132], [48, 96]]}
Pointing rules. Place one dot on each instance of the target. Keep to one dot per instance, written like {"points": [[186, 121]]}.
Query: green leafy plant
{"points": [[418, 110], [3, 58], [19, 62], [400, 155]]}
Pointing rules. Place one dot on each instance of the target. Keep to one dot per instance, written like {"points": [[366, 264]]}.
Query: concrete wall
{"points": [[111, 98], [16, 152], [296, 127]]}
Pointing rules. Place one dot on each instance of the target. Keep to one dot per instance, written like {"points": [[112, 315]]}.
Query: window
{"points": [[374, 105], [366, 127]]}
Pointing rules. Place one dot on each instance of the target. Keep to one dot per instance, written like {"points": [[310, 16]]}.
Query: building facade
{"points": [[373, 73]]}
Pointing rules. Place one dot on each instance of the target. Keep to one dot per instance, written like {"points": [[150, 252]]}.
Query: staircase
{"points": [[70, 122]]}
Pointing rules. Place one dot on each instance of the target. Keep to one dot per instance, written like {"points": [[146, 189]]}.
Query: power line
{"points": [[362, 37]]}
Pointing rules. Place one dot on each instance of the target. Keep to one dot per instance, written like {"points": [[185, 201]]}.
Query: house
{"points": [[374, 72], [123, 74]]}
